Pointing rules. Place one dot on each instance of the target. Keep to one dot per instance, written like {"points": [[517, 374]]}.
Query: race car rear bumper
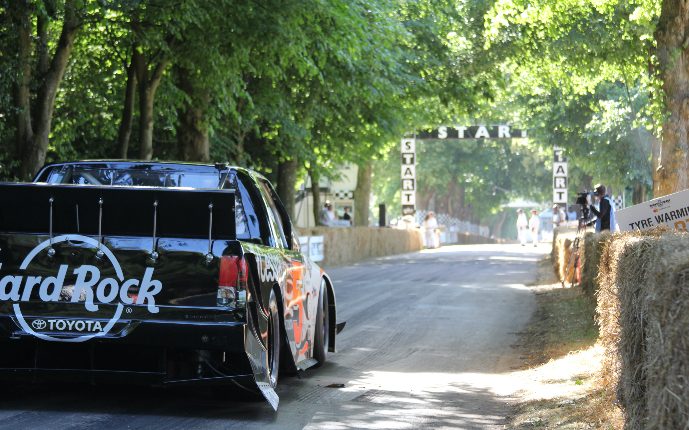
{"points": [[155, 352]]}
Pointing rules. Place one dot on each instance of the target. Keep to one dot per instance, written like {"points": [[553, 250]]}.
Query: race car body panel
{"points": [[117, 268]]}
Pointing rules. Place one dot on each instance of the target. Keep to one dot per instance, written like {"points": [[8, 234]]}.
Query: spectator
{"points": [[534, 226], [347, 216], [327, 216], [605, 213], [559, 216], [522, 225], [430, 228]]}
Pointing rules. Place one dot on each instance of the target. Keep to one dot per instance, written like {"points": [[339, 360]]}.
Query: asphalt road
{"points": [[427, 345]]}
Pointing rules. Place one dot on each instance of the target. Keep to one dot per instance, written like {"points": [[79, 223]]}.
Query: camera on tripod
{"points": [[584, 200]]}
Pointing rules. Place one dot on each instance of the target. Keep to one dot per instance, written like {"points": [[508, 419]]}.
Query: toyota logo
{"points": [[38, 324], [96, 291]]}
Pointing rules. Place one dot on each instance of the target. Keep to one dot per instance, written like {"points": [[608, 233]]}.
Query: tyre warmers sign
{"points": [[671, 211], [90, 289]]}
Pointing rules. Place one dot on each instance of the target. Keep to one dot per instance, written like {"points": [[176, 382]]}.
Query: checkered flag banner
{"points": [[344, 195], [618, 201]]}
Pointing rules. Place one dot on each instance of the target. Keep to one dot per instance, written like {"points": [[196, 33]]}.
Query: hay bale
{"points": [[643, 315], [561, 254], [624, 269], [352, 244], [608, 313], [665, 303], [590, 250]]}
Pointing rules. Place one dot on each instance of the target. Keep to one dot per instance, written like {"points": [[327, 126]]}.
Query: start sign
{"points": [[671, 210], [559, 176], [408, 176]]}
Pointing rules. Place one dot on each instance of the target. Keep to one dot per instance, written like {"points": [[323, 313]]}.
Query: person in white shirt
{"points": [[559, 217], [534, 226], [522, 225], [430, 227], [327, 216]]}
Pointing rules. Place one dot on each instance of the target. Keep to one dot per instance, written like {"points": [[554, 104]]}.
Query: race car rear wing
{"points": [[116, 211]]}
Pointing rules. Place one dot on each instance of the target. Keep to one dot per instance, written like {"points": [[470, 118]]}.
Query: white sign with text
{"points": [[671, 210], [559, 176], [408, 151]]}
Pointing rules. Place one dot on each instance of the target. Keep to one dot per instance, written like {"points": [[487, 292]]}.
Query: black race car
{"points": [[166, 273]]}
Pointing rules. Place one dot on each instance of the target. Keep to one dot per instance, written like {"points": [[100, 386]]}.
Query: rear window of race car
{"points": [[169, 178], [151, 175]]}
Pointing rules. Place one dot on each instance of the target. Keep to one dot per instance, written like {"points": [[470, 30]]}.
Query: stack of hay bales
{"points": [[352, 244], [643, 314], [590, 247], [590, 251], [562, 252]]}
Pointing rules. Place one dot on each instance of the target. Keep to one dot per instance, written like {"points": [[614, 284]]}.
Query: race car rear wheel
{"points": [[273, 342], [320, 344]]}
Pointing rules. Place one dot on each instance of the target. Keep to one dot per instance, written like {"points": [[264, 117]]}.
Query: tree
{"points": [[589, 66], [672, 172], [39, 72], [469, 179]]}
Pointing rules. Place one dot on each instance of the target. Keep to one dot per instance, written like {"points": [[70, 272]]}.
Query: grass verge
{"points": [[562, 363]]}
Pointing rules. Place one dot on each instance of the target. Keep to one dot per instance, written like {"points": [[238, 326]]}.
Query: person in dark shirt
{"points": [[347, 216], [605, 214]]}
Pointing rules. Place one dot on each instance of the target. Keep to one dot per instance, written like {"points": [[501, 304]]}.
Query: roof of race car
{"points": [[186, 165]]}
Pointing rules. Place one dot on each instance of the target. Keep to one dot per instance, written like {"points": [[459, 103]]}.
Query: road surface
{"points": [[427, 345]]}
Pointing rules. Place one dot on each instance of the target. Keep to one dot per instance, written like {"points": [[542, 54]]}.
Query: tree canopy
{"points": [[290, 87]]}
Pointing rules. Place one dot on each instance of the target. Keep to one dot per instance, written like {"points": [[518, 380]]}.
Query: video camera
{"points": [[584, 200]]}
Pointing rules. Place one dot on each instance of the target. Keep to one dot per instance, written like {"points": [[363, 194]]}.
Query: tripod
{"points": [[574, 256]]}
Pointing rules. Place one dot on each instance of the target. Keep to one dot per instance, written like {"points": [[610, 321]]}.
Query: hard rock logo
{"points": [[88, 289]]}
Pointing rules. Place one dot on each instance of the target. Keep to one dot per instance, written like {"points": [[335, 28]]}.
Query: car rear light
{"points": [[232, 281]]}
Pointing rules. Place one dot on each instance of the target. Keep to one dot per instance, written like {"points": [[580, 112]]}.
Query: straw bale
{"points": [[608, 311], [562, 251], [349, 245], [590, 251], [666, 305], [554, 250], [632, 257], [352, 244], [643, 315]]}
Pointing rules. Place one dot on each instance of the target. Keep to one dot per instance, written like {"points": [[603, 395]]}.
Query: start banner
{"points": [[671, 210]]}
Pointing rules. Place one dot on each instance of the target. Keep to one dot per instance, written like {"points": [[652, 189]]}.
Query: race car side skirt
{"points": [[258, 359]]}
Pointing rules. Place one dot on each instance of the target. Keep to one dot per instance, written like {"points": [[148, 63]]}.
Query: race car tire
{"points": [[274, 340], [320, 343]]}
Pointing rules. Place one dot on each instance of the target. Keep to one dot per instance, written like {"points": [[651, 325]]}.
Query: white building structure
{"points": [[339, 191]]}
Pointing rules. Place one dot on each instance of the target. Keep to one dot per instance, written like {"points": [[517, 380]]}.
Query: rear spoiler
{"points": [[116, 211]]}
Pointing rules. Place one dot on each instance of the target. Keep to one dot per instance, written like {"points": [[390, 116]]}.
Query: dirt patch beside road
{"points": [[562, 363]]}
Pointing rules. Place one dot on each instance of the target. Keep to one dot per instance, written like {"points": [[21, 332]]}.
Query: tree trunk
{"points": [[192, 134], [673, 58], [192, 130], [461, 201], [453, 198], [639, 193], [42, 44], [36, 148], [21, 20], [362, 193], [499, 222], [423, 198], [145, 122], [287, 180], [316, 194], [125, 131], [147, 90]]}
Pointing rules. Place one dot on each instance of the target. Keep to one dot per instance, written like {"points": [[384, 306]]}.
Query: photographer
{"points": [[605, 214]]}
